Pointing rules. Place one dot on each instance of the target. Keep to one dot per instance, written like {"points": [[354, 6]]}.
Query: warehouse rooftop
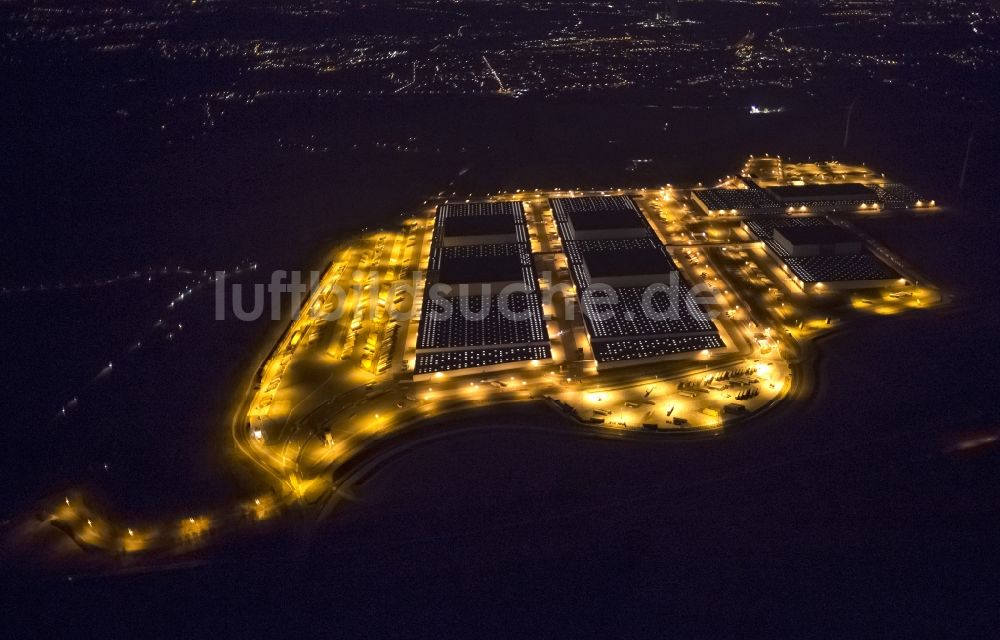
{"points": [[480, 267], [637, 261], [480, 225], [845, 190], [607, 219], [817, 234]]}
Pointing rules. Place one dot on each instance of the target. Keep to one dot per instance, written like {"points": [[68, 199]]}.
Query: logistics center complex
{"points": [[671, 310], [630, 310], [484, 306]]}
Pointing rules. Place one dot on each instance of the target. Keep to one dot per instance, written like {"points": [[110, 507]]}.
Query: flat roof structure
{"points": [[838, 192], [636, 262], [627, 262], [480, 209], [611, 352], [763, 227], [803, 186], [594, 203], [898, 196], [599, 217], [498, 224], [750, 201], [484, 264], [487, 358], [619, 312], [450, 322], [480, 327], [479, 223], [817, 240], [605, 260], [858, 268], [815, 235], [604, 220], [643, 309]]}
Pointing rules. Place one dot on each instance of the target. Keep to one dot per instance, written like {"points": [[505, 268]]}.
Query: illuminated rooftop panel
{"points": [[470, 358], [641, 348], [848, 191], [638, 311], [843, 268]]}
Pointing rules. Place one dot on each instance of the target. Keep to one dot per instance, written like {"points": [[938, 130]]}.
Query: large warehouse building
{"points": [[816, 240], [815, 253], [481, 307], [748, 198], [636, 305]]}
